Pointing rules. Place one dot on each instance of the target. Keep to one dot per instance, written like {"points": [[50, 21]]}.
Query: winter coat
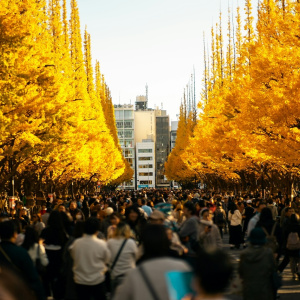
{"points": [[256, 268]]}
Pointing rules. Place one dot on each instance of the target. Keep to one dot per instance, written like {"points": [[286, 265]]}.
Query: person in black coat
{"points": [[17, 259], [293, 254]]}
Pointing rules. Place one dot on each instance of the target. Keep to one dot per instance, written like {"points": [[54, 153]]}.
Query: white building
{"points": [[124, 115], [145, 164]]}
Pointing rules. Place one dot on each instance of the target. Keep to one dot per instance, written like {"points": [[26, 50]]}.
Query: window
{"points": [[128, 124], [145, 158], [146, 174], [119, 114], [128, 152], [145, 151], [128, 143], [146, 182], [119, 124], [120, 134], [145, 166], [128, 134], [128, 114]]}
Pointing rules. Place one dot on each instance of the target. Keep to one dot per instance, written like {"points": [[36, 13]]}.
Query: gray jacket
{"points": [[212, 239]]}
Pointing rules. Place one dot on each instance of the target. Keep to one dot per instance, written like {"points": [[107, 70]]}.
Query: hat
{"points": [[157, 215], [109, 211], [196, 195], [249, 201], [165, 208], [257, 237]]}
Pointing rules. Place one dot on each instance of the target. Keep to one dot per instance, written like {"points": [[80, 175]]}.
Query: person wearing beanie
{"points": [[256, 268]]}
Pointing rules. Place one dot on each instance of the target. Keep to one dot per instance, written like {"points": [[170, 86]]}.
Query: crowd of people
{"points": [[122, 244]]}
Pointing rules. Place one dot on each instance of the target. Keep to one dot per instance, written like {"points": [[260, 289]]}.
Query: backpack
{"points": [[293, 241], [271, 239]]}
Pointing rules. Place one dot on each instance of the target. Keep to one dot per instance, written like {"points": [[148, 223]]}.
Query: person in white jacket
{"points": [[34, 248], [235, 229]]}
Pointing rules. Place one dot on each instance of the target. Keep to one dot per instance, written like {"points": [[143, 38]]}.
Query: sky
{"points": [[153, 42]]}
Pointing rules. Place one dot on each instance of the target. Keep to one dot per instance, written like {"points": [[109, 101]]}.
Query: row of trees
{"points": [[56, 115], [248, 130]]}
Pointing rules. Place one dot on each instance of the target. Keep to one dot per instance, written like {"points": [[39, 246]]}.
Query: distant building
{"points": [[162, 145], [173, 134], [124, 115], [141, 103], [145, 164], [147, 131]]}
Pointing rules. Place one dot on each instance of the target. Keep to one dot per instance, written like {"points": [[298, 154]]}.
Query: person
{"points": [[252, 223], [90, 256], [296, 205], [135, 220], [189, 230], [235, 230], [37, 224], [271, 229], [285, 227], [55, 238], [8, 283], [273, 208], [213, 272], [17, 259], [127, 257], [209, 234], [292, 253], [256, 268], [114, 220], [150, 273], [249, 213], [33, 247], [220, 218], [145, 207]]}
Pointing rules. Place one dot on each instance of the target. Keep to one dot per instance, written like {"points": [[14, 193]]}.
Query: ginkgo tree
{"points": [[53, 124], [250, 120]]}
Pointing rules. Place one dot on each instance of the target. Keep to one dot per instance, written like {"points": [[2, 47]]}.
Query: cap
{"points": [[249, 201]]}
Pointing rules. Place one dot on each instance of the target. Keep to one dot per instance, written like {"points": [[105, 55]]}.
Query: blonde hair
{"points": [[122, 230]]}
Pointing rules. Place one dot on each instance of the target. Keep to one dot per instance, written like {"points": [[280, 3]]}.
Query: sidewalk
{"points": [[290, 289]]}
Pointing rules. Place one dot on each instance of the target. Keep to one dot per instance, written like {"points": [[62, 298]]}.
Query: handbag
{"points": [[38, 263]]}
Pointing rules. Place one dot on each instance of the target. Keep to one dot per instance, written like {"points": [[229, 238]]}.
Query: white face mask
{"points": [[78, 217]]}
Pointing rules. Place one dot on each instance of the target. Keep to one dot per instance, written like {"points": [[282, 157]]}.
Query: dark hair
{"points": [[9, 280], [143, 201], [7, 229], [31, 237], [214, 269], [233, 207], [155, 241], [265, 216], [91, 225], [78, 229], [55, 220], [190, 206], [294, 220]]}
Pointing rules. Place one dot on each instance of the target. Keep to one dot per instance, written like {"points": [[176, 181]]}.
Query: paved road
{"points": [[290, 289]]}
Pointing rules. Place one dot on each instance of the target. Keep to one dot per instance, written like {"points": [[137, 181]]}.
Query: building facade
{"points": [[162, 149], [124, 115], [173, 134], [145, 164]]}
